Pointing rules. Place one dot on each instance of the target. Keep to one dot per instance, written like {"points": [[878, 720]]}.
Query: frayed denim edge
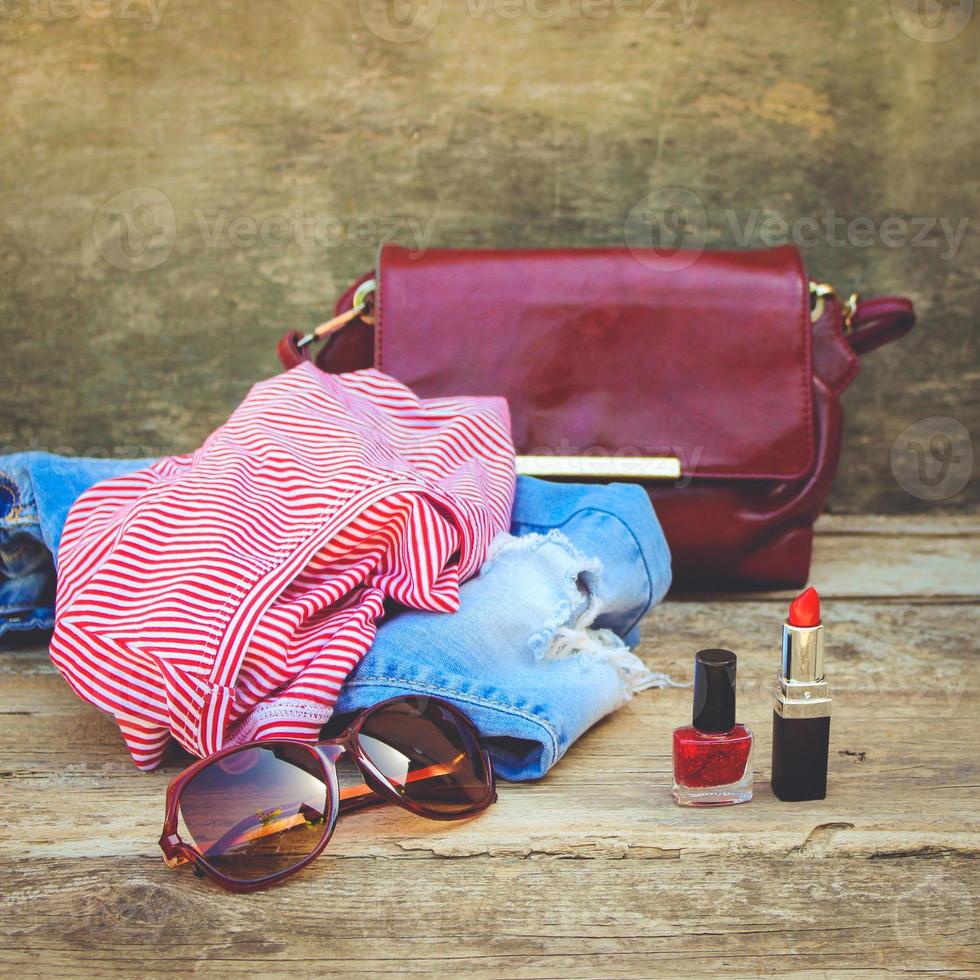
{"points": [[652, 599]]}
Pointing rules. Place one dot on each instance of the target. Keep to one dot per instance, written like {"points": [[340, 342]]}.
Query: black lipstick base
{"points": [[800, 749]]}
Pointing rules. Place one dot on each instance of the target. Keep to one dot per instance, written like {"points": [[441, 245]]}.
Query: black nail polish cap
{"points": [[714, 691]]}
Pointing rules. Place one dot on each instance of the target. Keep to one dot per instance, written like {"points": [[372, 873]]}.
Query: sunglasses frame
{"points": [[177, 851]]}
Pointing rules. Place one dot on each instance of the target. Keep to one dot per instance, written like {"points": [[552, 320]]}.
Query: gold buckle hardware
{"points": [[361, 307], [602, 467], [819, 291], [850, 308]]}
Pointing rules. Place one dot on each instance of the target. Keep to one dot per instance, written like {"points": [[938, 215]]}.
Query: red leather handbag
{"points": [[715, 381]]}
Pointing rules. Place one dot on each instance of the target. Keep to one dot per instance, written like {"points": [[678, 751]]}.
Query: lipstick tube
{"points": [[801, 711]]}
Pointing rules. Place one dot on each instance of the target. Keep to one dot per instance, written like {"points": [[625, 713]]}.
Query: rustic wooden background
{"points": [[180, 182]]}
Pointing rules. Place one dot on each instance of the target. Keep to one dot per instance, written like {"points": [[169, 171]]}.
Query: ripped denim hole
{"points": [[568, 635]]}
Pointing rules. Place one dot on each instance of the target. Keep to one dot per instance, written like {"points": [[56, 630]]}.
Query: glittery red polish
{"points": [[712, 756], [703, 759]]}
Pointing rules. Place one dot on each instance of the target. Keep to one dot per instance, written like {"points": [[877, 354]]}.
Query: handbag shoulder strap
{"points": [[844, 330], [878, 321]]}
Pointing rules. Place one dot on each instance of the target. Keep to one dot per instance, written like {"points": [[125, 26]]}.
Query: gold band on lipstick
{"points": [[801, 690]]}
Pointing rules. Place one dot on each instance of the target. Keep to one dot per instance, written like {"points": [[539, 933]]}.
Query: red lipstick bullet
{"points": [[801, 706], [804, 610]]}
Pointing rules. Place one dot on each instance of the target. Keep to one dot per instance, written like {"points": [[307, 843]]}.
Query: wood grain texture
{"points": [[592, 872], [288, 140]]}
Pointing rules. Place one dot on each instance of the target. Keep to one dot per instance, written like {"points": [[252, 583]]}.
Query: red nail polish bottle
{"points": [[713, 755]]}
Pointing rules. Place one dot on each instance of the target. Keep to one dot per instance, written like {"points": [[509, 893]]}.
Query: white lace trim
{"points": [[280, 710]]}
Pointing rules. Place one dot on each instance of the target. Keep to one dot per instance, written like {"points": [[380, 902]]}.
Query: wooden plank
{"points": [[891, 559], [805, 915], [943, 564], [929, 525], [592, 872]]}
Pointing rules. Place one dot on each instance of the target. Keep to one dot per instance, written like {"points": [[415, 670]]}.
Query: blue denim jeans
{"points": [[36, 492], [536, 654]]}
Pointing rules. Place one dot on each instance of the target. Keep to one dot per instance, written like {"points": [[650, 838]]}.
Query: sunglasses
{"points": [[251, 815]]}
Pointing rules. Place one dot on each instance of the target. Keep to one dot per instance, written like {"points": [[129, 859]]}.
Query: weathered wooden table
{"points": [[594, 871]]}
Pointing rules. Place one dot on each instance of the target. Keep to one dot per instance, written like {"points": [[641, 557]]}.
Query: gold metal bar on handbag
{"points": [[603, 467]]}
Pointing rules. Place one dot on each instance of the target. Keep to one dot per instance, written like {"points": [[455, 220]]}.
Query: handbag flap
{"points": [[614, 352]]}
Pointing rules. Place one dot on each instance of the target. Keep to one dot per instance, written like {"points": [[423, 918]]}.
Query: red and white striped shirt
{"points": [[224, 595]]}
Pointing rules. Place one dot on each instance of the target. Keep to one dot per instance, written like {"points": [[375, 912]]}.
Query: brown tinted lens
{"points": [[258, 811], [426, 754]]}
